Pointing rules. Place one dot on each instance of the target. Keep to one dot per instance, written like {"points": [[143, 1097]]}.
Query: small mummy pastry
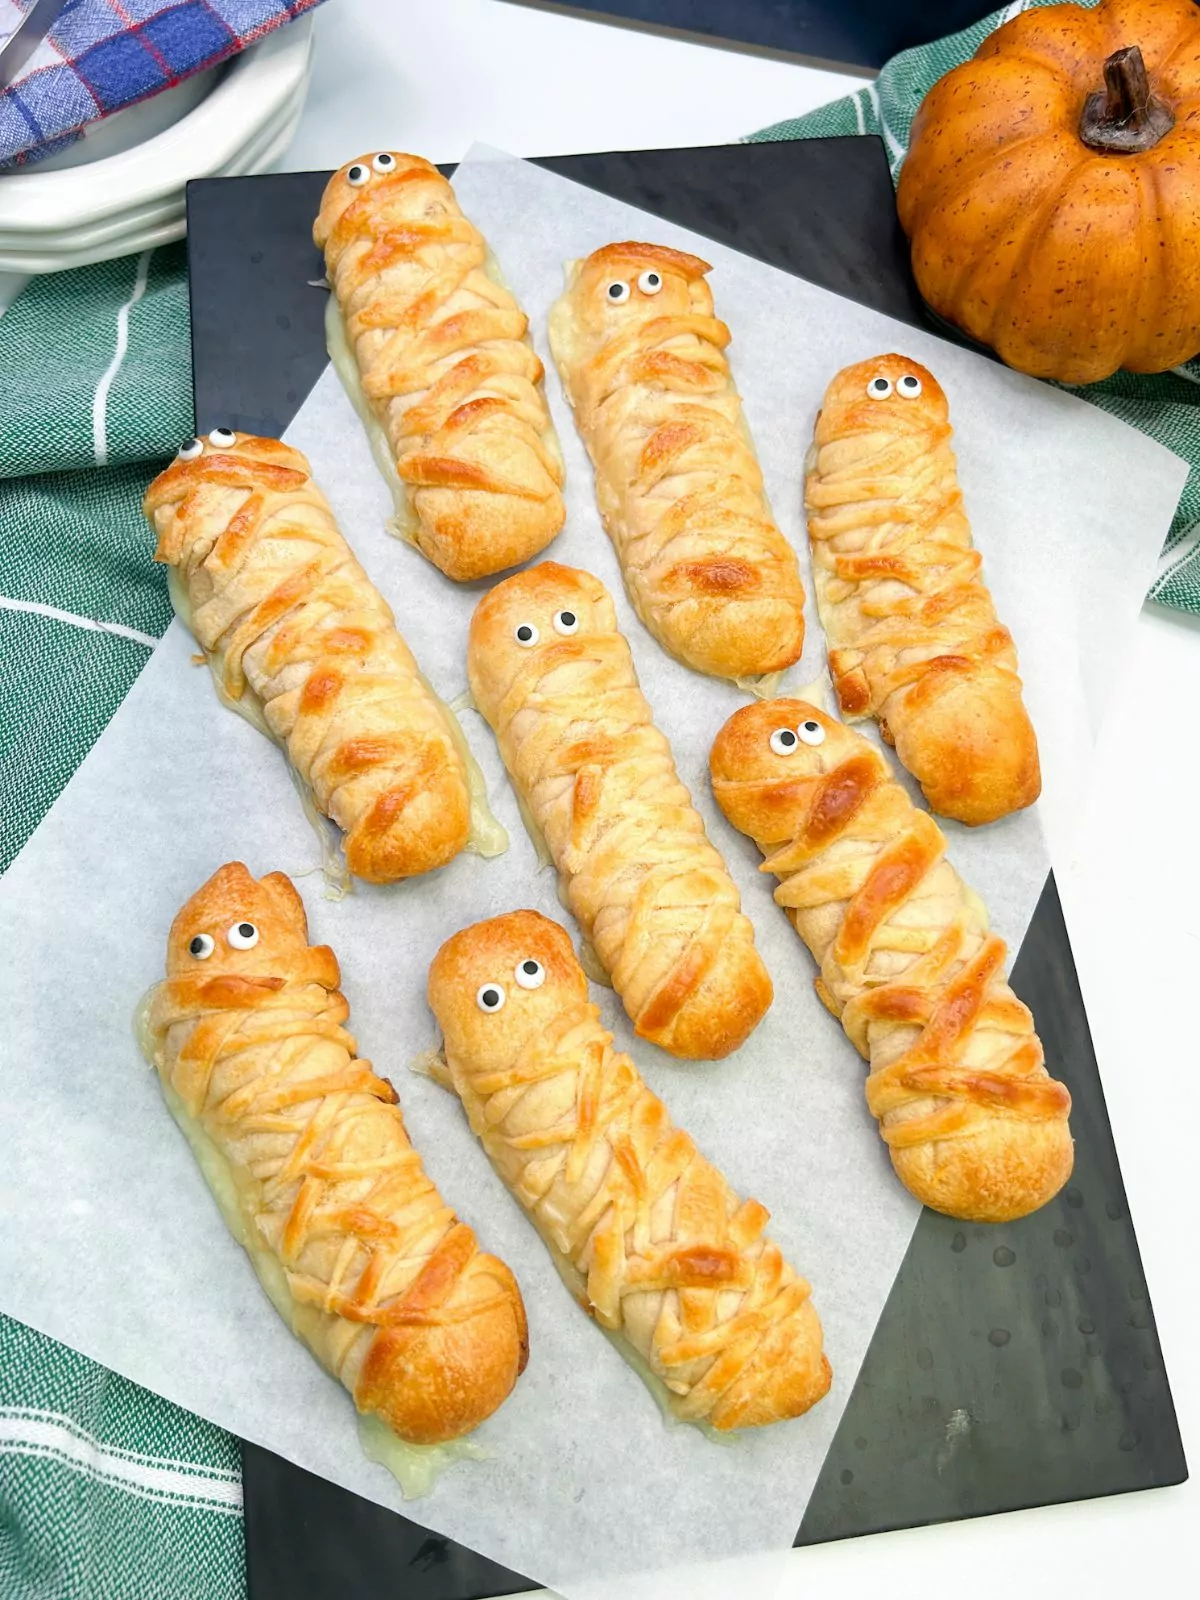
{"points": [[975, 1125], [380, 1279], [913, 636], [678, 483], [444, 365], [649, 1236], [297, 635], [553, 676]]}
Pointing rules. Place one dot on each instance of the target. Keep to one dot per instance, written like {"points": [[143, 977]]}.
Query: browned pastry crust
{"points": [[298, 635], [388, 1289], [975, 1125], [445, 363], [647, 1234], [914, 640], [677, 479], [637, 869]]}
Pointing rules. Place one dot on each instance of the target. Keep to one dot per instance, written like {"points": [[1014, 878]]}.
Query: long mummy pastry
{"points": [[914, 640], [553, 676], [298, 635], [678, 483], [975, 1125], [444, 366], [348, 1233], [648, 1234]]}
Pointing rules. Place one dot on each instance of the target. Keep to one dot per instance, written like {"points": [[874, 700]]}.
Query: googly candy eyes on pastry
{"points": [[223, 438], [190, 449], [650, 1237], [879, 388], [362, 1233]]}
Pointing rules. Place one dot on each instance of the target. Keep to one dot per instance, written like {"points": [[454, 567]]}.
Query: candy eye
{"points": [[202, 946], [243, 936], [222, 438], [879, 388], [811, 732], [618, 292], [358, 175], [384, 162], [909, 386], [190, 449], [525, 633], [566, 622], [530, 974], [650, 282], [783, 742], [490, 997]]}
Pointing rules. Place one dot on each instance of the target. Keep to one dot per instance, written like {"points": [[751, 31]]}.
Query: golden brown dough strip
{"points": [[914, 640], [975, 1125], [386, 1287], [648, 1234]]}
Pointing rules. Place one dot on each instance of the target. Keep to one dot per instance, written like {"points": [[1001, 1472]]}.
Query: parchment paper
{"points": [[109, 1240]]}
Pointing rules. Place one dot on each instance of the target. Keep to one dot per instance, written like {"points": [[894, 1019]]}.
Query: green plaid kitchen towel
{"points": [[107, 1492], [1166, 406]]}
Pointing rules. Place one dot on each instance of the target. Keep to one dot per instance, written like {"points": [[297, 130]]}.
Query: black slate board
{"points": [[1036, 1339]]}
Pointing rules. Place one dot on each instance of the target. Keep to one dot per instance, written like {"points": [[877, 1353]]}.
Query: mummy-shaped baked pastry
{"points": [[975, 1125], [306, 1151], [434, 351], [913, 636], [554, 678], [647, 1234], [678, 484], [299, 639]]}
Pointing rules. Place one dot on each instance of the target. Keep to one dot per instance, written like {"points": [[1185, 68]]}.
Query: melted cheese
{"points": [[415, 1468]]}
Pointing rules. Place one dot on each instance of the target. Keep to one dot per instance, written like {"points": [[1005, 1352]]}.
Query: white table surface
{"points": [[432, 76]]}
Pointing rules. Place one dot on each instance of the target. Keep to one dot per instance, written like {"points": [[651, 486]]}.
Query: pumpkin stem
{"points": [[1124, 117]]}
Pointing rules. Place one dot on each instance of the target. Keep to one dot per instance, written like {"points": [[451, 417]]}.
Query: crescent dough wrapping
{"points": [[555, 680], [647, 1234], [913, 635], [677, 479], [975, 1125], [445, 365], [297, 635], [382, 1282]]}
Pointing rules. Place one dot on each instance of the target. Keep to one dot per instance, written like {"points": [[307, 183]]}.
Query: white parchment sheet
{"points": [[109, 1240]]}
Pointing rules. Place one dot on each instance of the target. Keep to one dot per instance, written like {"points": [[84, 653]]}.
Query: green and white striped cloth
{"points": [[107, 1492]]}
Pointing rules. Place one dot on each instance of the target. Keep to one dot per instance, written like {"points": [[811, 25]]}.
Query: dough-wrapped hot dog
{"points": [[298, 637], [914, 640], [975, 1125], [349, 1235], [648, 1234], [444, 366], [678, 483], [553, 675]]}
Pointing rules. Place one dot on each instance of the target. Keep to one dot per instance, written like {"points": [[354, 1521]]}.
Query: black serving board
{"points": [[1038, 1337]]}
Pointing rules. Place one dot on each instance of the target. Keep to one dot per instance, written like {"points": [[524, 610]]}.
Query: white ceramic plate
{"points": [[255, 92]]}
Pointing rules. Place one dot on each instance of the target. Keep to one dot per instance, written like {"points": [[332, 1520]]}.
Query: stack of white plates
{"points": [[121, 187]]}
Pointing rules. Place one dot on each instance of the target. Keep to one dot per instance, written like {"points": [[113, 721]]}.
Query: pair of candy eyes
{"points": [[359, 174], [221, 438], [242, 936], [908, 387], [565, 622], [785, 741], [529, 974], [619, 291]]}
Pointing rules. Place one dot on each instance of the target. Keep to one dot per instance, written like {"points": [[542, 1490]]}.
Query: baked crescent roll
{"points": [[555, 680], [913, 635], [301, 641], [647, 1234], [679, 486], [441, 363], [306, 1150], [975, 1125]]}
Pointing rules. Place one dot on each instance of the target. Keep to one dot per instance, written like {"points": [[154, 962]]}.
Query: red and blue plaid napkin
{"points": [[103, 55]]}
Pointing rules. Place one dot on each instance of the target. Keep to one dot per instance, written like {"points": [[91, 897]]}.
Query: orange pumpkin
{"points": [[1052, 190]]}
